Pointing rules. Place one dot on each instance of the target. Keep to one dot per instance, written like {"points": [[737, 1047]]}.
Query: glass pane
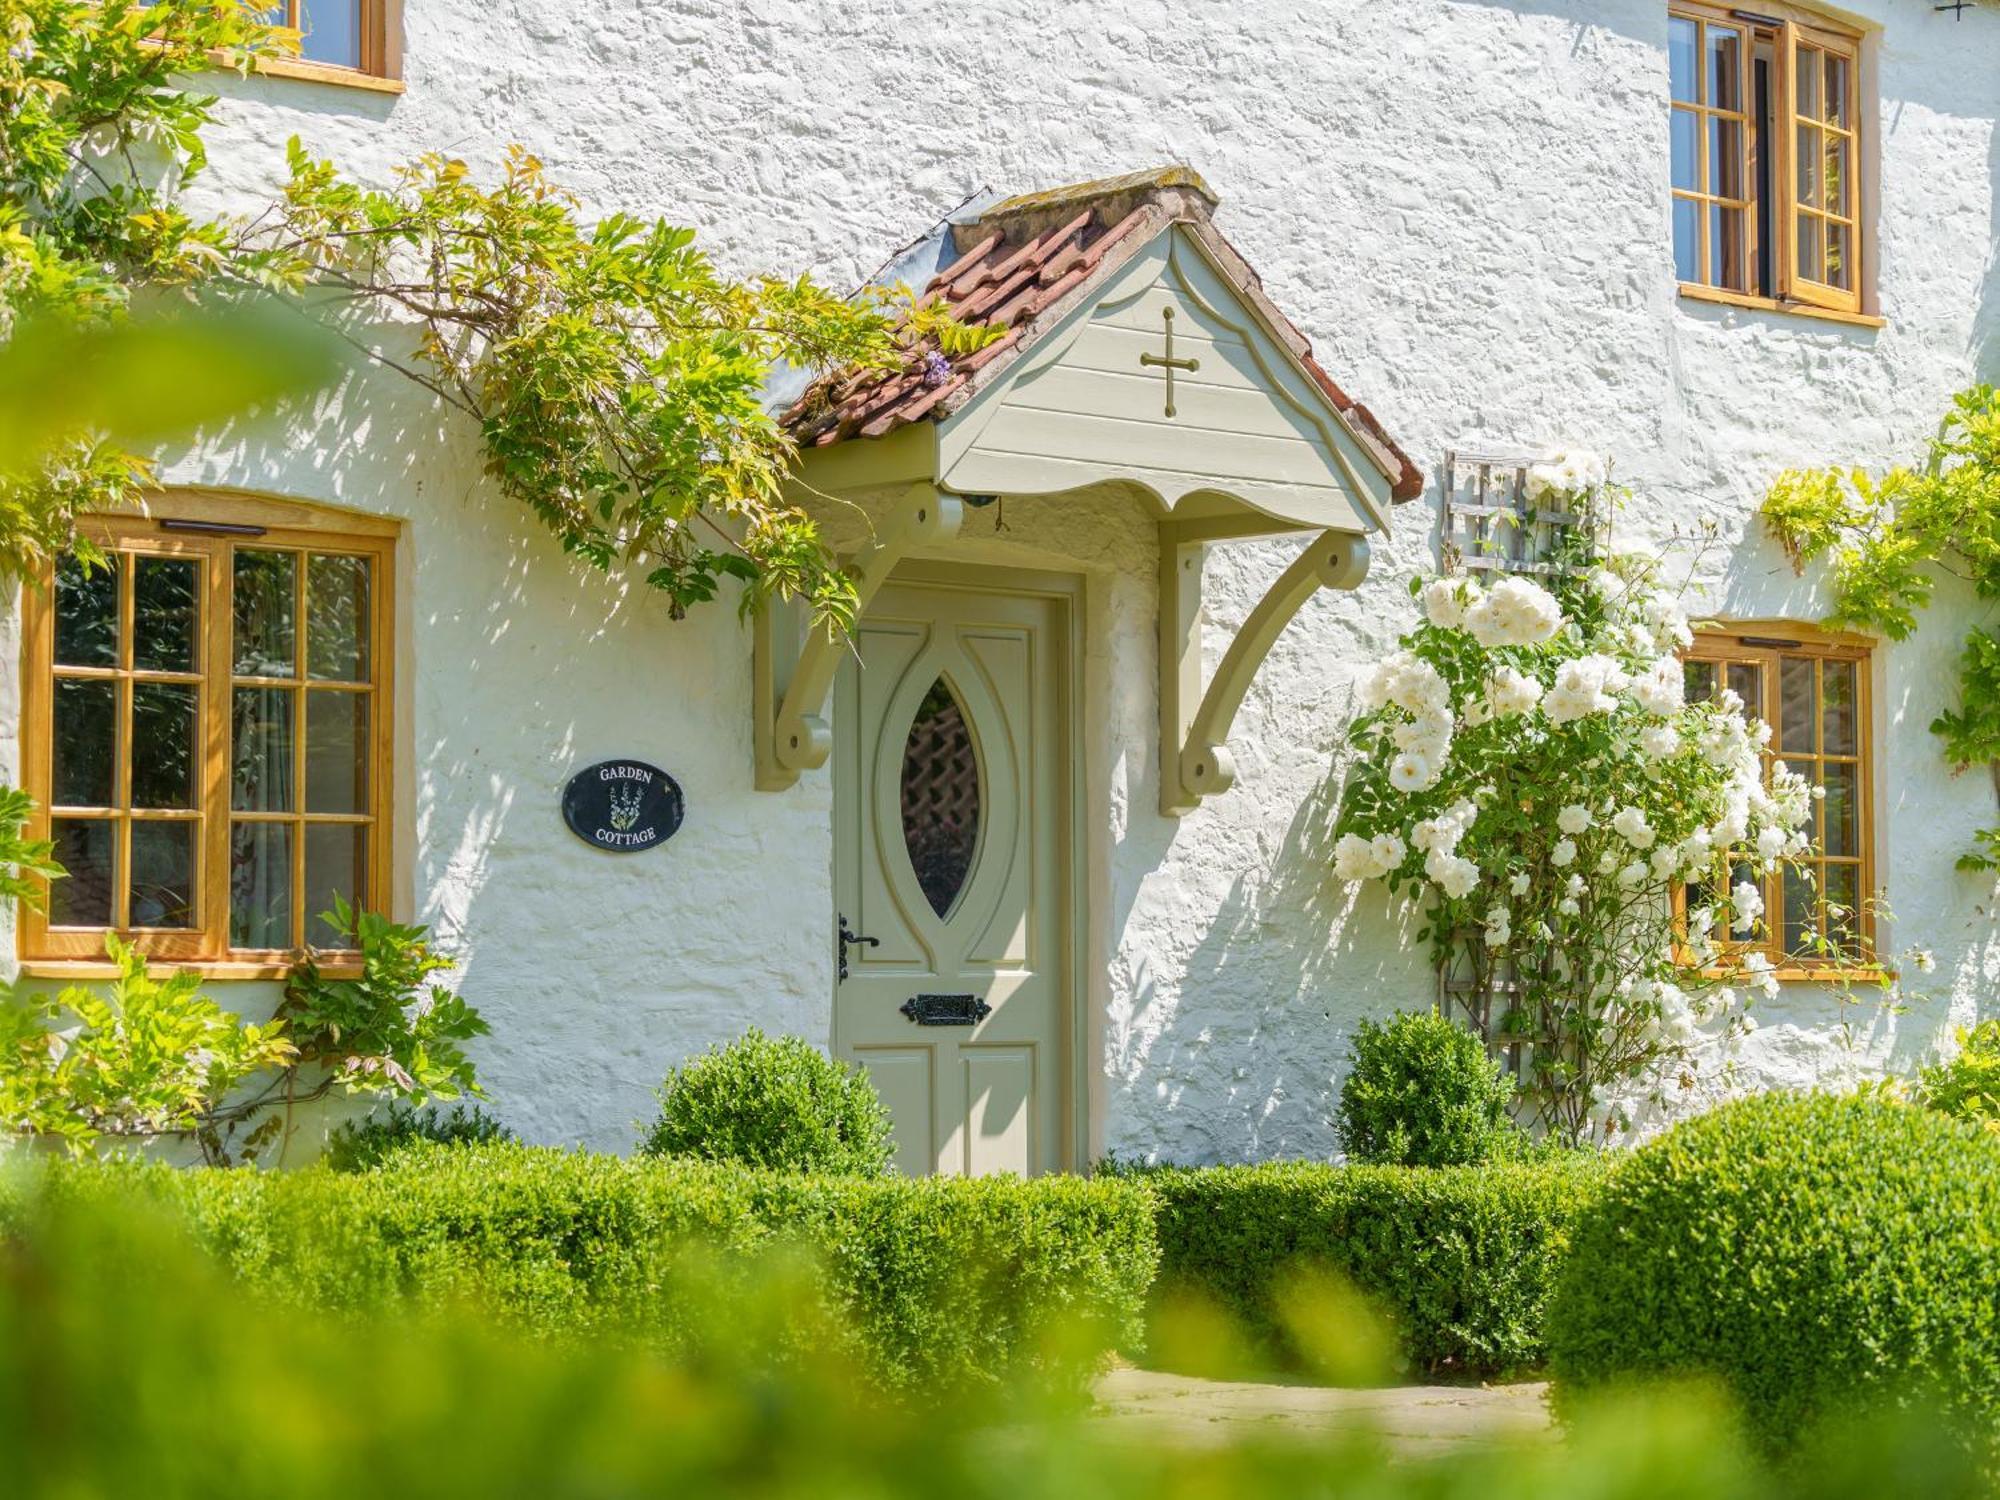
{"points": [[1836, 91], [87, 848], [260, 885], [261, 737], [166, 744], [1725, 68], [266, 594], [163, 873], [332, 32], [1812, 247], [1746, 681], [1837, 682], [336, 865], [86, 614], [1839, 256], [1795, 704], [1687, 239], [1725, 158], [1843, 908], [1811, 168], [1682, 74], [1686, 142], [166, 599], [86, 742], [1801, 930], [1700, 678], [337, 619], [1809, 100], [1726, 245], [1841, 810], [1835, 178], [941, 797], [336, 752]]}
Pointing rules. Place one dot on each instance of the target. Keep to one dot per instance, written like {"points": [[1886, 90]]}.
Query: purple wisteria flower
{"points": [[937, 369]]}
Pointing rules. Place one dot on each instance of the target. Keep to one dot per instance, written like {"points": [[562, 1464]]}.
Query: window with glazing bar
{"points": [[206, 735], [1767, 137]]}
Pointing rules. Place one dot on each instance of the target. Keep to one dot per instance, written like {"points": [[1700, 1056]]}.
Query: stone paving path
{"points": [[1415, 1420]]}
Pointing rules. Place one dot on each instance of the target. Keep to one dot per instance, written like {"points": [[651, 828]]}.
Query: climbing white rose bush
{"points": [[1527, 767]]}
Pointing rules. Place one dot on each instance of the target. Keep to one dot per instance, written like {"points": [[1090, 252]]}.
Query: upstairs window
{"points": [[206, 734], [336, 34], [1767, 137]]}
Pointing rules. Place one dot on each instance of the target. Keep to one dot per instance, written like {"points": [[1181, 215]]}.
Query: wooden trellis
{"points": [[1490, 525]]}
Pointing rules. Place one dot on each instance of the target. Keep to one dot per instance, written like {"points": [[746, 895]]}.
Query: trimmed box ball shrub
{"points": [[1815, 1254], [1421, 1092], [942, 1283], [1463, 1259], [775, 1102]]}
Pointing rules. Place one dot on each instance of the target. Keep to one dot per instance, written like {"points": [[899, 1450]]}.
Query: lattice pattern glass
{"points": [[941, 795]]}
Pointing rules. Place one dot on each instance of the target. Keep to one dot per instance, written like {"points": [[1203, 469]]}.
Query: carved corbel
{"points": [[791, 734], [1194, 722]]}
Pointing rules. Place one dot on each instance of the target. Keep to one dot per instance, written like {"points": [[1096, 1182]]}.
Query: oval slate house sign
{"points": [[622, 805]]}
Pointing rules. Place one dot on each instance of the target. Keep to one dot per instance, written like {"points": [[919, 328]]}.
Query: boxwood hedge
{"points": [[942, 1282], [1815, 1254], [1463, 1259]]}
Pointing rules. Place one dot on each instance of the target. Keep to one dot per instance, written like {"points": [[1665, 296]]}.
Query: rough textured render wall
{"points": [[1463, 203]]}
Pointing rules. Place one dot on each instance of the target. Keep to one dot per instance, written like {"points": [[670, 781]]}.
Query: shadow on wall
{"points": [[1259, 1027], [1986, 318]]}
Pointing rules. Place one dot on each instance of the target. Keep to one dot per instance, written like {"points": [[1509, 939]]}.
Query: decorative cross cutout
{"points": [[1167, 361]]}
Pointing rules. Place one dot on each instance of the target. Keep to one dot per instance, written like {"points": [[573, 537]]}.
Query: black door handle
{"points": [[848, 938]]}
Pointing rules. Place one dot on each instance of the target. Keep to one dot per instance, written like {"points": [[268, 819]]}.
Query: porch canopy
{"points": [[1139, 348]]}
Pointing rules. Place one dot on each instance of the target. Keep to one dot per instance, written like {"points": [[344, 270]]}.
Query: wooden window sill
{"points": [[314, 72], [1799, 974], [1696, 293], [80, 969]]}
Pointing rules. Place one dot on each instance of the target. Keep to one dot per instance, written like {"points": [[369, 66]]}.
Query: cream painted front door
{"points": [[951, 845]]}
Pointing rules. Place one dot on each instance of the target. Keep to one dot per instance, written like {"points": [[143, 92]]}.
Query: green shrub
{"points": [[775, 1102], [128, 1367], [944, 1283], [1966, 1086], [360, 1144], [1462, 1259], [1421, 1092], [1814, 1254]]}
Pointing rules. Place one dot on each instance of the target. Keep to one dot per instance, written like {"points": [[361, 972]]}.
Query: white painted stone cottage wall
{"points": [[1464, 205]]}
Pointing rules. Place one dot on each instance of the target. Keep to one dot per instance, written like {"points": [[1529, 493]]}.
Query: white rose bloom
{"points": [[1499, 927], [1569, 906], [1631, 826], [1410, 772], [1353, 858], [1666, 859], [1456, 877], [1512, 692], [1573, 818], [1516, 613], [1584, 685], [1447, 599], [1388, 852], [1746, 904], [1632, 876], [1762, 973], [1564, 853], [1660, 741], [1575, 886], [1518, 886], [1771, 840], [1607, 862], [1662, 687]]}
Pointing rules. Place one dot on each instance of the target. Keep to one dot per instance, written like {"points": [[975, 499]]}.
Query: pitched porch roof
{"points": [[1023, 264]]}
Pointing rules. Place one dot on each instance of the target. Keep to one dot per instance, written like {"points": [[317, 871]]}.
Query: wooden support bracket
{"points": [[1194, 723], [790, 733]]}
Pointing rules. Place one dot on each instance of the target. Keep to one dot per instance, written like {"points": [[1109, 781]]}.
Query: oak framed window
{"points": [[206, 732], [1767, 138], [352, 42], [1812, 688]]}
